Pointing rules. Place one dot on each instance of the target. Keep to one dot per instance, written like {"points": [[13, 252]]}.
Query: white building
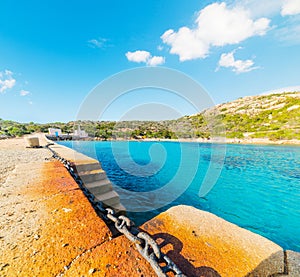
{"points": [[54, 132]]}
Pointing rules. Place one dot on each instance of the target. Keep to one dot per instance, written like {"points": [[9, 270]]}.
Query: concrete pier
{"points": [[49, 228], [92, 175]]}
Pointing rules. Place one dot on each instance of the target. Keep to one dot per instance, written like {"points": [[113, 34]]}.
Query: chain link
{"points": [[145, 244]]}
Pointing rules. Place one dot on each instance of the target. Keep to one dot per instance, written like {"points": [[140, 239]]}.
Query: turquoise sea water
{"points": [[258, 187]]}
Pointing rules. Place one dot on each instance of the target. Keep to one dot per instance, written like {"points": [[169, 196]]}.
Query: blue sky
{"points": [[53, 53]]}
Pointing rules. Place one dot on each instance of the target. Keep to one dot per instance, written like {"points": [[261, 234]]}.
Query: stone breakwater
{"points": [[49, 228], [93, 177]]}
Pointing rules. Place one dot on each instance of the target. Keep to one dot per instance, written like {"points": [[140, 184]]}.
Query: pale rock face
{"points": [[293, 108], [255, 104]]}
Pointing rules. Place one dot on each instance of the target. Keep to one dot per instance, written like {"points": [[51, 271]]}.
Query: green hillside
{"points": [[273, 116]]}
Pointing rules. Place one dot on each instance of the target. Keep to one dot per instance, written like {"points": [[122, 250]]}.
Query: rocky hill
{"points": [[271, 116]]}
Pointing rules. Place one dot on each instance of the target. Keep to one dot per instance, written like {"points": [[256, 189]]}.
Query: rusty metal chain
{"points": [[145, 244]]}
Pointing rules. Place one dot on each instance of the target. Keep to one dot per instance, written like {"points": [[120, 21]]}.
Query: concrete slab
{"points": [[117, 257], [202, 244], [51, 224], [293, 263]]}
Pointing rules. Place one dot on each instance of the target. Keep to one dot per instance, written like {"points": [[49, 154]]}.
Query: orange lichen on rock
{"points": [[59, 231], [117, 257], [202, 244], [64, 225], [53, 179]]}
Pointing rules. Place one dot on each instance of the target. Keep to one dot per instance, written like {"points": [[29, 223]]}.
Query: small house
{"points": [[55, 132]]}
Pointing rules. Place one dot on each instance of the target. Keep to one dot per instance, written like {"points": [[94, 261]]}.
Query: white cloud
{"points": [[6, 84], [290, 7], [270, 7], [6, 81], [260, 8], [138, 56], [156, 60], [186, 44], [216, 25], [160, 48], [98, 43], [141, 56], [239, 66], [24, 92], [8, 72], [289, 35]]}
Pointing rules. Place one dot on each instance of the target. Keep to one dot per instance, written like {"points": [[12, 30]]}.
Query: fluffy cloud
{"points": [[24, 92], [290, 7], [6, 81], [270, 7], [260, 8], [97, 43], [186, 44], [141, 56], [239, 66], [138, 56], [216, 25], [156, 60]]}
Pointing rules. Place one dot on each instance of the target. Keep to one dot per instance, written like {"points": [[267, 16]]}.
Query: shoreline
{"points": [[236, 141], [217, 140], [262, 142]]}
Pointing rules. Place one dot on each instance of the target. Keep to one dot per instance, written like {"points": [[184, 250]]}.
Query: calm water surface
{"points": [[258, 188]]}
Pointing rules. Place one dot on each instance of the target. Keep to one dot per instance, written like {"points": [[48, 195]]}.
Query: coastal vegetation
{"points": [[273, 116]]}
